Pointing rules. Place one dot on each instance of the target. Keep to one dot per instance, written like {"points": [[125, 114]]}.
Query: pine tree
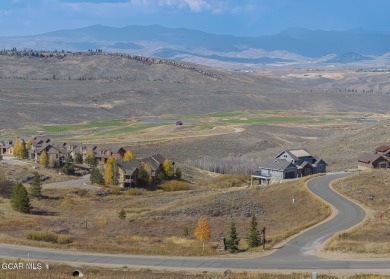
{"points": [[122, 214], [168, 169], [19, 199], [109, 173], [128, 156], [78, 158], [253, 238], [44, 159], [178, 173], [232, 242], [142, 177], [203, 230], [69, 158], [36, 187], [96, 176]]}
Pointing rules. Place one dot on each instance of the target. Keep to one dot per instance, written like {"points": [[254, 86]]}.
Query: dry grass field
{"points": [[373, 236], [160, 222]]}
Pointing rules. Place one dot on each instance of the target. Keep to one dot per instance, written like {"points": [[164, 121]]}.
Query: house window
{"points": [[383, 166]]}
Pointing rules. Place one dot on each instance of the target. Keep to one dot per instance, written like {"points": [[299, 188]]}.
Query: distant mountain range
{"points": [[291, 48]]}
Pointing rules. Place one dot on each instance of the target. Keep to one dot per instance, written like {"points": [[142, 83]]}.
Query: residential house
{"points": [[103, 153], [81, 148], [384, 150], [126, 173], [56, 152], [289, 164], [380, 159], [6, 146], [155, 162]]}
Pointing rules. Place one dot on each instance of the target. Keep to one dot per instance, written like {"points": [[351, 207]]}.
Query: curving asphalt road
{"points": [[296, 254]]}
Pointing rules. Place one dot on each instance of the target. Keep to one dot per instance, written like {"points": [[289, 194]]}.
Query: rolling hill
{"points": [[294, 47]]}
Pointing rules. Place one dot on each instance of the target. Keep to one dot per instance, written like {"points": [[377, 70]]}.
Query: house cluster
{"points": [[288, 164], [379, 159], [126, 171]]}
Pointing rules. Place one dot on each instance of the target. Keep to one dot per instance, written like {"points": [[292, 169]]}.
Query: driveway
{"points": [[83, 182]]}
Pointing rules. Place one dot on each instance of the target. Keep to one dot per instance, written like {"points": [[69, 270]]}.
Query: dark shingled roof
{"points": [[128, 166], [276, 164], [154, 161]]}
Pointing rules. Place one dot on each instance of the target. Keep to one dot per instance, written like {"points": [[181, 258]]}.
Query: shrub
{"points": [[63, 239], [49, 236], [174, 185], [115, 190], [135, 192]]}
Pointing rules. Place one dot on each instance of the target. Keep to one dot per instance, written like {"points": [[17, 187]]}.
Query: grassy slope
{"points": [[373, 236], [156, 221]]}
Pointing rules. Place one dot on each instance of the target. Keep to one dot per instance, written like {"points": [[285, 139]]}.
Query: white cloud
{"points": [[193, 5]]}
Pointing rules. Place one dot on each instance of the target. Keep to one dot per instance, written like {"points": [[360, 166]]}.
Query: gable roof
{"points": [[279, 164], [367, 157], [319, 160], [154, 161], [128, 167], [300, 152], [296, 153], [383, 148]]}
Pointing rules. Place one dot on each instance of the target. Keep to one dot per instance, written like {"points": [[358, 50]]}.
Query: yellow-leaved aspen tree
{"points": [[203, 230], [128, 156], [44, 159], [168, 169], [109, 172]]}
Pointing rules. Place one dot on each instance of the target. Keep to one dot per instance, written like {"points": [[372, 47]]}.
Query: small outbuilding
{"points": [[179, 123]]}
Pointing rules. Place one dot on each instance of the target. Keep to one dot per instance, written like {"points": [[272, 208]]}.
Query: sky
{"points": [[235, 17]]}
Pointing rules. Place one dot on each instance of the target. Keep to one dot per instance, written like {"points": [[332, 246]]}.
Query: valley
{"points": [[198, 117]]}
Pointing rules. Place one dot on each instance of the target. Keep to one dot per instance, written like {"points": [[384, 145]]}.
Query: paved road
{"points": [[297, 254]]}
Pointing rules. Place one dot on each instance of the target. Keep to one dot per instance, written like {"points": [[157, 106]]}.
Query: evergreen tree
{"points": [[36, 187], [68, 169], [96, 176], [19, 199], [122, 214], [142, 177], [44, 159], [78, 158], [128, 156], [178, 173], [69, 158], [232, 242], [253, 238]]}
